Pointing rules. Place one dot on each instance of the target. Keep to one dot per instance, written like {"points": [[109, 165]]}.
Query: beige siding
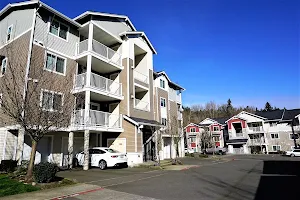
{"points": [[129, 134], [20, 19], [173, 110], [284, 141], [123, 79], [139, 142]]}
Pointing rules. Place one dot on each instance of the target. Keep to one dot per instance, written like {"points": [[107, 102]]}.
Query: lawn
{"points": [[10, 187]]}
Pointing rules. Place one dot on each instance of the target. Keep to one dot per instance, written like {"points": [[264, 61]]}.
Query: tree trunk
{"points": [[31, 161]]}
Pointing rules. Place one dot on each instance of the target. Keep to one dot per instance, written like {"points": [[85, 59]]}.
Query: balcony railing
{"points": [[107, 53], [97, 118], [178, 98], [256, 129], [257, 141], [141, 77], [141, 105], [99, 83], [239, 134]]}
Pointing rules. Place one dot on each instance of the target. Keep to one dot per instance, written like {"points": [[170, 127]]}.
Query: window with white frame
{"points": [[59, 29], [276, 147], [55, 63], [9, 33], [216, 128], [162, 102], [51, 101], [192, 139], [292, 136], [274, 135], [3, 65], [193, 130], [164, 121], [162, 83]]}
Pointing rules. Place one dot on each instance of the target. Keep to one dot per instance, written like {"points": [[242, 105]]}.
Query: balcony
{"points": [[105, 56], [257, 141], [257, 129], [141, 105], [106, 89], [216, 132], [178, 98], [141, 81], [96, 120]]}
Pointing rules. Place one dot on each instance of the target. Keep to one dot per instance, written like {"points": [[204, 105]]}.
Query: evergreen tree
{"points": [[268, 107], [229, 108]]}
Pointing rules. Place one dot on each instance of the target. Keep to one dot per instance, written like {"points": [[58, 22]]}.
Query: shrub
{"points": [[8, 165], [45, 172]]}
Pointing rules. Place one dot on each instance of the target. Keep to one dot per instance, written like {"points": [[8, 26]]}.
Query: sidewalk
{"points": [[55, 192]]}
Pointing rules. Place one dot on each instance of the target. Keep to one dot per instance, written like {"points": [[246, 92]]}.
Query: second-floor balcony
{"points": [[100, 51], [98, 84], [257, 141], [141, 81], [141, 105], [257, 129], [96, 120]]}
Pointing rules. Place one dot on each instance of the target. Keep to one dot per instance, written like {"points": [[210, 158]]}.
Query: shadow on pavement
{"points": [[280, 180]]}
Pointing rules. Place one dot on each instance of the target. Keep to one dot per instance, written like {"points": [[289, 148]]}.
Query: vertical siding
{"points": [[42, 34], [123, 79], [129, 134], [21, 21]]}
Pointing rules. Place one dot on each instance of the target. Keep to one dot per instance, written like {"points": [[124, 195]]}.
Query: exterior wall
{"points": [[236, 120], [55, 43], [188, 129], [21, 20], [10, 144], [173, 109], [284, 141], [17, 53], [162, 112], [129, 134], [123, 79]]}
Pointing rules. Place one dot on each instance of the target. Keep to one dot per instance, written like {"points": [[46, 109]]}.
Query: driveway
{"points": [[252, 177]]}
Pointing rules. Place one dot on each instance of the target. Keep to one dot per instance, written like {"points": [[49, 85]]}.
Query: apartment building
{"points": [[263, 132], [214, 127], [115, 91]]}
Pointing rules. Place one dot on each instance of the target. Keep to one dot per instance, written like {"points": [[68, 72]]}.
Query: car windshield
{"points": [[111, 151]]}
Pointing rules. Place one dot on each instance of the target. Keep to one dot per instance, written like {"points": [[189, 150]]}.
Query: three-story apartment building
{"points": [[109, 65]]}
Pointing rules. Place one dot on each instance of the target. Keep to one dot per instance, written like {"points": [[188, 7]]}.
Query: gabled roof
{"points": [[220, 120], [41, 4], [140, 121], [143, 34], [235, 116], [124, 17], [163, 73], [290, 114], [192, 124]]}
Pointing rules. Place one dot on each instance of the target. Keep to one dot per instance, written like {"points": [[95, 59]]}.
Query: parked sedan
{"points": [[293, 153], [103, 157]]}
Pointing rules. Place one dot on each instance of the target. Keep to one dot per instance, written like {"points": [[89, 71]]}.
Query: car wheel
{"points": [[292, 155], [102, 164]]}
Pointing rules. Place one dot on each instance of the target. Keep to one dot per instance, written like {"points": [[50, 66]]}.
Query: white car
{"points": [[103, 157], [187, 150], [295, 152]]}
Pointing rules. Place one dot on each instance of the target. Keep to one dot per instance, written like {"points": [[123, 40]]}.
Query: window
{"points": [[162, 83], [9, 33], [193, 130], [164, 121], [97, 151], [51, 101], [216, 128], [276, 148], [55, 63], [163, 102], [274, 135], [292, 136], [59, 29], [3, 66], [193, 139]]}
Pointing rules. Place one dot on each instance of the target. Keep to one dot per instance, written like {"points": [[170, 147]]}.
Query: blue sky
{"points": [[217, 49]]}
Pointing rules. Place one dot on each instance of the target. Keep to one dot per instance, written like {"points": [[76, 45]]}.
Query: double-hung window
{"points": [[276, 148], [162, 83], [51, 101], [3, 65], [164, 121], [55, 63], [163, 102], [216, 128], [274, 135], [9, 33], [59, 29], [193, 130]]}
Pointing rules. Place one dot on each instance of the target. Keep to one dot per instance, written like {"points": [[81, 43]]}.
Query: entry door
{"points": [[167, 148]]}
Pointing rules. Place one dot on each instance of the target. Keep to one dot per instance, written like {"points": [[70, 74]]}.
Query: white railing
{"points": [[142, 105], [216, 132], [109, 54], [178, 98], [256, 129], [141, 77], [99, 83], [257, 141], [97, 118]]}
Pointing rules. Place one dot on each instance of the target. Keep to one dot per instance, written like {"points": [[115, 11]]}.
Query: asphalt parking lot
{"points": [[234, 177]]}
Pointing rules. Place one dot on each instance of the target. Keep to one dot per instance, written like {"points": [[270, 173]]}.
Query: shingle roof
{"points": [[290, 114], [270, 115], [146, 121], [220, 120]]}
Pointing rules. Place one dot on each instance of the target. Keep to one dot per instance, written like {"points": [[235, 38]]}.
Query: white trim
{"points": [[162, 121], [276, 148], [4, 145], [10, 36], [135, 139], [141, 86], [56, 57], [10, 41], [100, 27], [160, 98], [49, 26], [5, 59], [164, 84], [193, 131], [128, 91], [52, 92], [130, 120]]}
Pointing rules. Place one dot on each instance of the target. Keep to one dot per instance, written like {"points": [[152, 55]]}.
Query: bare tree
{"points": [[36, 98], [205, 140], [173, 129]]}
